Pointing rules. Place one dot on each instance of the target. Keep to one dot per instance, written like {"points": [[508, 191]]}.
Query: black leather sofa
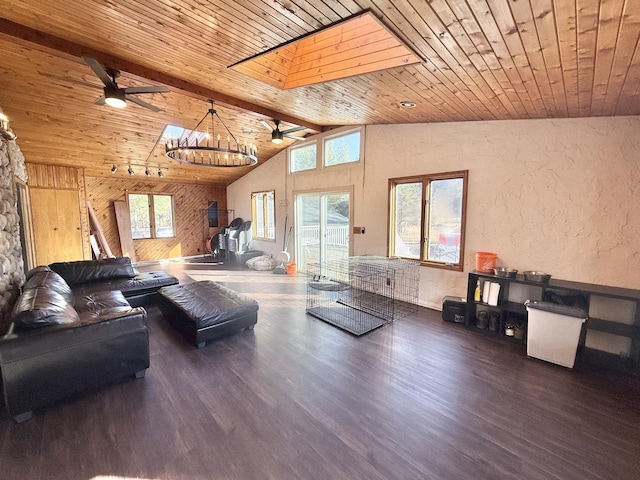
{"points": [[73, 328], [89, 276]]}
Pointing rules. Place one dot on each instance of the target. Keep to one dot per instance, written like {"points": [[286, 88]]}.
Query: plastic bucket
{"points": [[486, 261], [291, 269]]}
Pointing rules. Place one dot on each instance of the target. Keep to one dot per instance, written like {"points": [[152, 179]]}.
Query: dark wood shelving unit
{"points": [[622, 305]]}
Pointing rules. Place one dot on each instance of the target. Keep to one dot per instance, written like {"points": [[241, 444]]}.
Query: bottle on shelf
{"points": [[476, 294]]}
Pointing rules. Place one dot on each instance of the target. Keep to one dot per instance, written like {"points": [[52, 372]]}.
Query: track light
{"points": [[130, 170], [147, 172], [160, 172], [114, 168]]}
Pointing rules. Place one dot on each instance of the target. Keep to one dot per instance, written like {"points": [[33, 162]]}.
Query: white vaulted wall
{"points": [[559, 196]]}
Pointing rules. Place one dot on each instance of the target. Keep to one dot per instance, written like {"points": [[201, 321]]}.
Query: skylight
{"points": [[361, 44], [172, 132]]}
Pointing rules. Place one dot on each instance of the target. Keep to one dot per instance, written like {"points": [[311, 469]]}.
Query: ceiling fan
{"points": [[278, 135], [116, 96]]}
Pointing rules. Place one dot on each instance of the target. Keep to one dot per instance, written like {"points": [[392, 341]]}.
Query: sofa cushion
{"points": [[104, 314], [98, 301], [85, 271], [50, 279], [140, 284], [39, 307]]}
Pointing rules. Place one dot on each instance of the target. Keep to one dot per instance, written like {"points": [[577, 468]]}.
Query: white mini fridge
{"points": [[553, 332]]}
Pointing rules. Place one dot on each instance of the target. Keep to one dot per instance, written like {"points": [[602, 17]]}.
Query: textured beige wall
{"points": [[560, 196]]}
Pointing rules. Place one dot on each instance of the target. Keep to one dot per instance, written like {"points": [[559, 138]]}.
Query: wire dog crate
{"points": [[360, 294]]}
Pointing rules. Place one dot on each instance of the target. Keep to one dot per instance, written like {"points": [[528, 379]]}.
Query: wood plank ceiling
{"points": [[483, 60]]}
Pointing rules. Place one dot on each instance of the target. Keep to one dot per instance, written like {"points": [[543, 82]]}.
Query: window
{"points": [[334, 148], [302, 158], [144, 207], [212, 214], [263, 215], [341, 149], [427, 218]]}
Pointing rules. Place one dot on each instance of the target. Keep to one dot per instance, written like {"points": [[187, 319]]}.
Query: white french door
{"points": [[322, 224]]}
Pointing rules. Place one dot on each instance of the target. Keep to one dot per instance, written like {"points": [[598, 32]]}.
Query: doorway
{"points": [[56, 225], [322, 224]]}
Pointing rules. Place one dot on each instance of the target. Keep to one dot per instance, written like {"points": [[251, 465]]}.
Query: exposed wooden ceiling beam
{"points": [[48, 41]]}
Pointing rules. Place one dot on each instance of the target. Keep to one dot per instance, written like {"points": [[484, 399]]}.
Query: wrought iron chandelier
{"points": [[210, 150]]}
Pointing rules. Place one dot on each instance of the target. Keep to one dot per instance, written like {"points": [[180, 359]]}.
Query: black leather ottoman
{"points": [[205, 310]]}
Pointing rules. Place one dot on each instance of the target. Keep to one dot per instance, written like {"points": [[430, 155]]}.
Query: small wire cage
{"points": [[359, 294]]}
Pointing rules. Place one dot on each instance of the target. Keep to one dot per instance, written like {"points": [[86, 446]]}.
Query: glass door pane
{"points": [[307, 230], [322, 227], [336, 226]]}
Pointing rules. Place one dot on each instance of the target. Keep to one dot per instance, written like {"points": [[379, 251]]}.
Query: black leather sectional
{"points": [[76, 325]]}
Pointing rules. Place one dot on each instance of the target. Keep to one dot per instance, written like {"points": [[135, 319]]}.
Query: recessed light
{"points": [[407, 104], [114, 168]]}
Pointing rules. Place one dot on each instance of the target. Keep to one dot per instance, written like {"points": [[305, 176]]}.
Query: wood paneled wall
{"points": [[190, 203]]}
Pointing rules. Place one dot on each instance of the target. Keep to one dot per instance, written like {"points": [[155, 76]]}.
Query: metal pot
{"points": [[533, 276], [505, 272]]}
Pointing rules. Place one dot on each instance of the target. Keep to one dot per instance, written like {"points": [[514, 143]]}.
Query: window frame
{"points": [[254, 223], [426, 181], [300, 146], [319, 141], [344, 133], [152, 216]]}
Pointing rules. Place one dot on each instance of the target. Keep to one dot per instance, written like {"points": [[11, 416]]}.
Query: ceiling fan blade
{"points": [[294, 129], [266, 125], [100, 72], [99, 101], [255, 132], [293, 137], [142, 103], [148, 89], [69, 80]]}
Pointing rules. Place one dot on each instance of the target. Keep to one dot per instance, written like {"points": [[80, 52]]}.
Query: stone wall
{"points": [[11, 264]]}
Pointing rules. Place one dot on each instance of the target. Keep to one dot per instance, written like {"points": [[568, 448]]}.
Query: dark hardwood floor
{"points": [[297, 398]]}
